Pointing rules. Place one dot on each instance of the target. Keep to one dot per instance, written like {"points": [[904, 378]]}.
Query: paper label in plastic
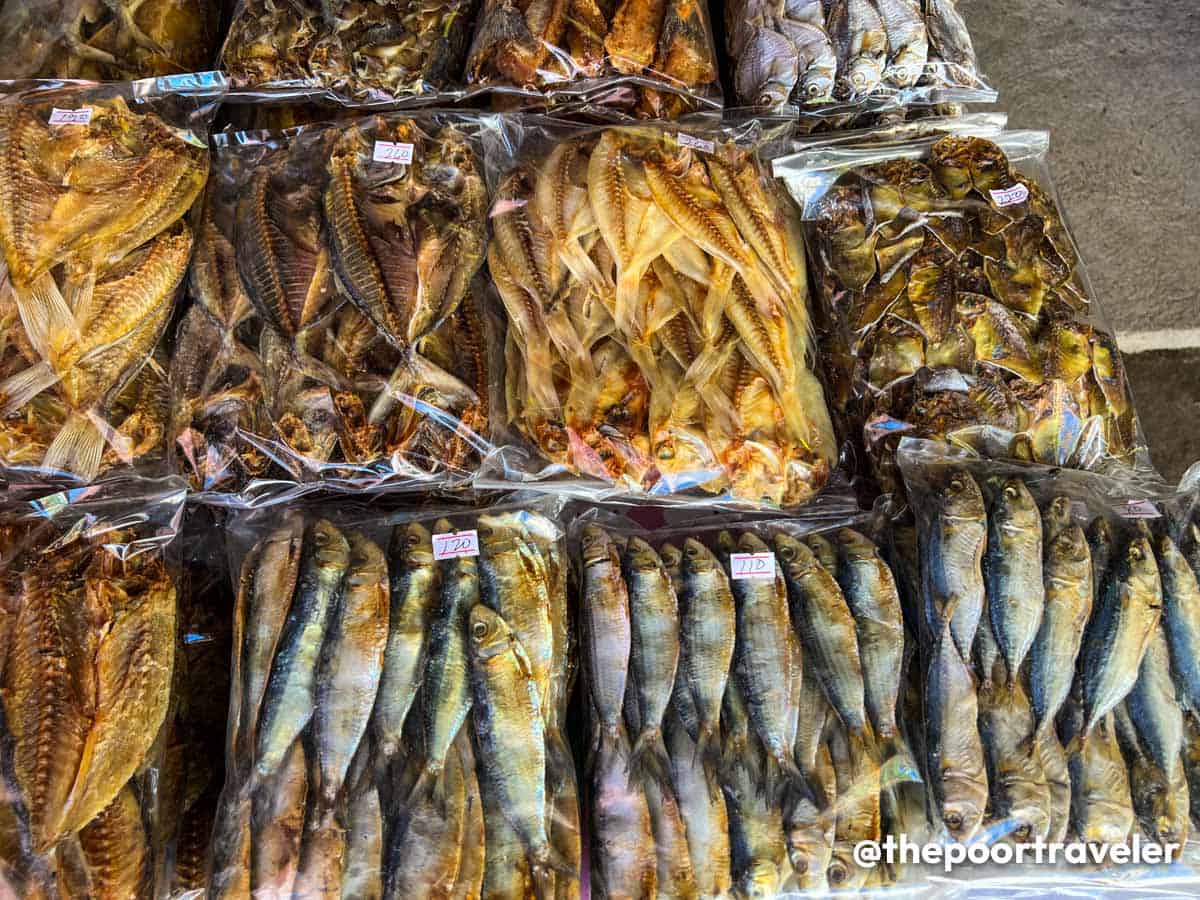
{"points": [[1139, 509], [82, 116], [1018, 193], [686, 140], [752, 566], [390, 152], [456, 543], [190, 81]]}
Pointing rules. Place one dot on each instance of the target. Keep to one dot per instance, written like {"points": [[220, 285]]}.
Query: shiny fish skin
{"points": [[425, 848], [955, 752], [674, 876], [413, 592], [757, 845], [1013, 572], [702, 805], [351, 664], [288, 702], [654, 659], [1154, 709], [1067, 573], [1058, 779], [858, 813], [709, 625], [952, 559], [1158, 802], [1102, 544], [1101, 808], [277, 824], [908, 41], [606, 629], [870, 591], [1017, 780], [623, 841], [1181, 619], [809, 824]]}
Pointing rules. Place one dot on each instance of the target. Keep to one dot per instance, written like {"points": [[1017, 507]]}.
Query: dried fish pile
{"points": [[658, 320], [654, 58], [813, 53], [87, 646], [335, 331], [95, 244], [747, 719], [397, 721], [359, 51], [957, 306], [112, 40], [1059, 658]]}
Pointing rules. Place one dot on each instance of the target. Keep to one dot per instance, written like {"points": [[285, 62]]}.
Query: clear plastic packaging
{"points": [[953, 301], [88, 634], [94, 230], [1059, 611], [653, 59], [398, 716], [115, 40], [336, 333], [378, 51], [832, 58], [748, 702], [658, 336]]}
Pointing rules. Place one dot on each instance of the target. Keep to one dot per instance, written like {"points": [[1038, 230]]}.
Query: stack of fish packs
{"points": [[1058, 653], [335, 331], [94, 195], [953, 301], [87, 660], [397, 722], [750, 722], [655, 290], [832, 56]]}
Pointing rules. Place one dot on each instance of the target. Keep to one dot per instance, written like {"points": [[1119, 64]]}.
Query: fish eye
{"points": [[956, 485], [1135, 552], [788, 553], [954, 821], [479, 630], [837, 873], [413, 540], [1023, 832], [1010, 491], [692, 552]]}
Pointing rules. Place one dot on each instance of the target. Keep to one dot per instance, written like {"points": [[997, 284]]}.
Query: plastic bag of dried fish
{"points": [[113, 40], [398, 717], [335, 333], [658, 324], [95, 188], [653, 59], [357, 52], [1061, 611], [955, 304], [830, 57], [749, 695], [87, 658]]}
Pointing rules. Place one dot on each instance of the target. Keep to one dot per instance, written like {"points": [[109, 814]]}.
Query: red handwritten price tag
{"points": [[71, 116], [1018, 193], [456, 543], [752, 565], [390, 152]]}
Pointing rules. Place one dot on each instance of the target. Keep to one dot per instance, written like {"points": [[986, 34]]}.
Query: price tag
{"points": [[686, 140], [389, 152], [752, 565], [456, 543], [1018, 193], [71, 116], [1139, 509]]}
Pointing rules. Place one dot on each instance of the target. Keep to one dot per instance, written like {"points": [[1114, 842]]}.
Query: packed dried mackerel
{"points": [[954, 301], [658, 324], [746, 692], [1060, 624], [95, 185], [335, 331], [822, 54], [88, 641], [113, 40], [398, 714], [378, 50], [648, 58]]}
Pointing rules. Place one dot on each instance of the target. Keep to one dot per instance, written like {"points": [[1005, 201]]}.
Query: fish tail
{"points": [[863, 744], [708, 748], [44, 313], [649, 757], [559, 759], [19, 389], [1075, 745], [427, 784], [548, 866], [78, 448]]}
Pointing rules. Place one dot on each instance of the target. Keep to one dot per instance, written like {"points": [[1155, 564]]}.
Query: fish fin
{"points": [[1075, 745], [429, 783], [47, 319], [19, 389], [77, 448], [548, 864], [559, 754], [649, 757], [708, 748], [862, 743]]}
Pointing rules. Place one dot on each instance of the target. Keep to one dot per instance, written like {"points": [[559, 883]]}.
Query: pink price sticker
{"points": [[71, 116], [390, 152], [1018, 193], [686, 140], [752, 565], [1139, 509], [455, 544]]}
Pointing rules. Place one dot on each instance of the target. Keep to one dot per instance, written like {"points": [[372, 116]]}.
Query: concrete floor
{"points": [[1117, 84]]}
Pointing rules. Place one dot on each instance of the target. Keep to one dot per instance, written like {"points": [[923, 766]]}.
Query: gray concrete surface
{"points": [[1117, 83]]}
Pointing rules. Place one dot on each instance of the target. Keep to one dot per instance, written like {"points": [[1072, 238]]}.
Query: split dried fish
{"points": [[656, 301]]}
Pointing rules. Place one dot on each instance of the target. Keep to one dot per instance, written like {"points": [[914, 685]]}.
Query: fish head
{"points": [[496, 532], [772, 95], [697, 558], [639, 556], [822, 549], [960, 496], [412, 544], [1029, 818], [797, 558], [1057, 515], [1140, 568], [749, 542], [855, 545], [671, 556], [962, 817], [596, 545], [760, 881], [726, 542], [1014, 504], [816, 87], [863, 76], [1069, 546], [331, 546], [490, 634]]}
